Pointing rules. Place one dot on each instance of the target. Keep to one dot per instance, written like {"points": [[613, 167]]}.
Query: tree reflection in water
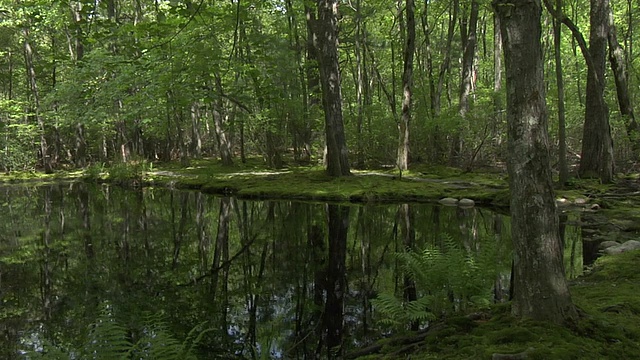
{"points": [[293, 279]]}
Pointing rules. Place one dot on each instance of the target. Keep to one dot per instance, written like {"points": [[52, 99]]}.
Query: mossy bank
{"points": [[609, 327]]}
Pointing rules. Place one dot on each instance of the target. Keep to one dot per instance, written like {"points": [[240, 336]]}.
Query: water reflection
{"points": [[287, 278]]}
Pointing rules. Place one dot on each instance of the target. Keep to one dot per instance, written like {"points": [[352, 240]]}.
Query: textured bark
{"points": [[469, 35], [620, 75], [597, 145], [540, 287], [402, 160], [326, 31]]}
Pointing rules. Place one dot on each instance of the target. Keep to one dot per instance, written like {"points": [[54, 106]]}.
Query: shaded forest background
{"points": [[85, 82]]}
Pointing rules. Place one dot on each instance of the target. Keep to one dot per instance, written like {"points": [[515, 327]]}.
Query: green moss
{"points": [[608, 329]]}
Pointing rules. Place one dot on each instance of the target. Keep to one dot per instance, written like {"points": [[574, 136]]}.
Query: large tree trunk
{"points": [[540, 288], [326, 31], [597, 145], [407, 80], [336, 287]]}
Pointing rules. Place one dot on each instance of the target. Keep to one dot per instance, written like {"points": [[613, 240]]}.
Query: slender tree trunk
{"points": [[620, 75], [224, 145], [326, 31], [597, 145], [407, 81], [467, 81], [33, 83], [562, 137], [498, 101], [540, 288]]}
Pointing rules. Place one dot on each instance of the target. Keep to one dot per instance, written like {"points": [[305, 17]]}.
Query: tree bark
{"points": [[620, 75], [540, 288], [597, 145], [33, 84], [402, 160], [469, 41], [326, 31], [562, 136]]}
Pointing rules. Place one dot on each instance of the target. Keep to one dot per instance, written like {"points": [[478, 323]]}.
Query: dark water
{"points": [[87, 271]]}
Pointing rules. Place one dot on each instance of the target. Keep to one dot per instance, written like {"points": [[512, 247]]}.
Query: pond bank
{"points": [[609, 327]]}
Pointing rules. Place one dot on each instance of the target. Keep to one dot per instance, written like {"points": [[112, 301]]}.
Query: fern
{"points": [[109, 340], [449, 278]]}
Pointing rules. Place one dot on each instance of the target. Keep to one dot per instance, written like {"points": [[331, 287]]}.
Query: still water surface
{"points": [[234, 278]]}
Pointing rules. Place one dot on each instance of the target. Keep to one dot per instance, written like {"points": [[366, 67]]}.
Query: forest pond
{"points": [[93, 269]]}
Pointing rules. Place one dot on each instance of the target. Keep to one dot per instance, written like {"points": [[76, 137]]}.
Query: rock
{"points": [[448, 201], [466, 202], [594, 207], [580, 201], [562, 201], [607, 244], [627, 246]]}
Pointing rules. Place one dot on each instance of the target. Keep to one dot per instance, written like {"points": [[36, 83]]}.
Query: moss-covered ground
{"points": [[609, 327]]}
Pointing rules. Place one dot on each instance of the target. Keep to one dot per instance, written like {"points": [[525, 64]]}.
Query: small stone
{"points": [[594, 207], [580, 201], [448, 201], [627, 246], [607, 244], [466, 202]]}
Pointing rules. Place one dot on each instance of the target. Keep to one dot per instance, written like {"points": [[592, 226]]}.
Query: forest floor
{"points": [[609, 327], [607, 295]]}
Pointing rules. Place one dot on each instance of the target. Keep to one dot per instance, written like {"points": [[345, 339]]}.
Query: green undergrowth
{"points": [[385, 184], [252, 180], [609, 327]]}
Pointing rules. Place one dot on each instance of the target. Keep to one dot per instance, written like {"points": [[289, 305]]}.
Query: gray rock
{"points": [[580, 201], [448, 201], [627, 246], [607, 244], [466, 202]]}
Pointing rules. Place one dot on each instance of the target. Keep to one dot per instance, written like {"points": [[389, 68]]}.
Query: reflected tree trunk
{"points": [[222, 241], [204, 240], [46, 284], [408, 235], [336, 279], [316, 239]]}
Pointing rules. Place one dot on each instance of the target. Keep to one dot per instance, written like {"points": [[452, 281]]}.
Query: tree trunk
{"points": [[326, 31], [407, 79], [540, 288], [224, 145], [562, 137], [498, 102], [620, 75], [469, 41], [336, 278], [597, 145], [31, 75]]}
